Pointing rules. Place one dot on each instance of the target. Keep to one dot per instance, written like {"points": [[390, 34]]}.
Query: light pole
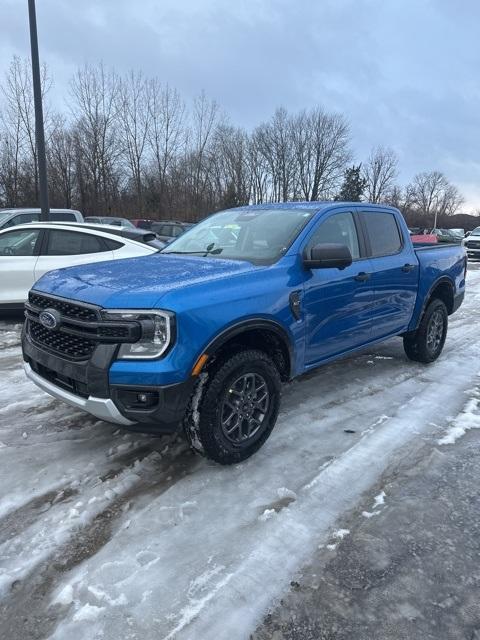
{"points": [[37, 98]]}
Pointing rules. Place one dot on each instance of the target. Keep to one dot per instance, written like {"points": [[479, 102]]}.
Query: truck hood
{"points": [[136, 282]]}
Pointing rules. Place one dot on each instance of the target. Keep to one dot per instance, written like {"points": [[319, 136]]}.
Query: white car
{"points": [[472, 244], [28, 251]]}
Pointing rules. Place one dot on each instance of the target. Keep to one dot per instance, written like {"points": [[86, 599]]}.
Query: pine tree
{"points": [[353, 185]]}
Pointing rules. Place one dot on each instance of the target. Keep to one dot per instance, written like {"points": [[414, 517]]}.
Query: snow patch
{"points": [[266, 515], [87, 613], [468, 419], [379, 500], [100, 594], [65, 596]]}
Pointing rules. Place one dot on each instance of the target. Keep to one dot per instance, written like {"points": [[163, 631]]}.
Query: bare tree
{"points": [[18, 118], [230, 166], [432, 195], [321, 144], [61, 161], [95, 108], [204, 120], [274, 141], [134, 119], [380, 172], [166, 134]]}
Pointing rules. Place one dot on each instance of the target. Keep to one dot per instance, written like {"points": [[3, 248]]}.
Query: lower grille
{"points": [[62, 343], [67, 383]]}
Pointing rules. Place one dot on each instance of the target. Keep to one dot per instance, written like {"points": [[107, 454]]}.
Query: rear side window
{"points": [[113, 245], [62, 216], [383, 233], [69, 243]]}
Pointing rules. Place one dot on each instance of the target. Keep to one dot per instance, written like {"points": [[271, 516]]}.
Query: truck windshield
{"points": [[476, 232], [261, 236]]}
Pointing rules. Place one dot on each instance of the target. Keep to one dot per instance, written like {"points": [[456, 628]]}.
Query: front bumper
{"points": [[85, 385], [473, 253], [102, 408]]}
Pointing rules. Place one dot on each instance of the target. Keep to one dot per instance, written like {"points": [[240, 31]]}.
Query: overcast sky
{"points": [[405, 72]]}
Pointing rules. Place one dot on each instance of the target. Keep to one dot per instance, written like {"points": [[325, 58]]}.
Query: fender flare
{"points": [[428, 297], [251, 324]]}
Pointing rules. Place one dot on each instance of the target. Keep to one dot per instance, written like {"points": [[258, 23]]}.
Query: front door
{"points": [[17, 263], [337, 302]]}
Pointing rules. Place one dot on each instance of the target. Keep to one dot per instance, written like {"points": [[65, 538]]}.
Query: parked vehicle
{"points": [[202, 334], [140, 235], [168, 230], [13, 217], [30, 250], [118, 222], [143, 223], [472, 244], [426, 238], [448, 235]]}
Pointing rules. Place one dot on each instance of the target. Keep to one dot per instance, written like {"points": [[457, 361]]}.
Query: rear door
{"points": [[338, 302], [62, 248], [18, 257], [395, 272]]}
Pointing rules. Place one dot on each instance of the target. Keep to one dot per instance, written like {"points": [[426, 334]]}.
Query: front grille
{"points": [[63, 343], [67, 309], [112, 332], [79, 329], [472, 245]]}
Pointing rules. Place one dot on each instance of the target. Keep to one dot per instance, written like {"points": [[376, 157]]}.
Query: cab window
{"points": [[337, 229], [383, 233]]}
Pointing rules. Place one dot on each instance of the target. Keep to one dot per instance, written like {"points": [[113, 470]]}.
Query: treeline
{"points": [[130, 145]]}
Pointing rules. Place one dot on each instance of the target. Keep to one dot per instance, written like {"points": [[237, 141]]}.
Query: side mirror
{"points": [[327, 256], [467, 234]]}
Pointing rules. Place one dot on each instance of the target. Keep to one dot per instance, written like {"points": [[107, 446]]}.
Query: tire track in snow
{"points": [[33, 593]]}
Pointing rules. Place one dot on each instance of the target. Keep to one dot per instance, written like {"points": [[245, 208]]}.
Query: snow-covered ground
{"points": [[108, 534]]}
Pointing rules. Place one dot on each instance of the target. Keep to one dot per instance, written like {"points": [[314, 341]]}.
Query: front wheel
{"points": [[234, 407], [426, 343]]}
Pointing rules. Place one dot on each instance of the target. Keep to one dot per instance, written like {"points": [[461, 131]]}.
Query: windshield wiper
{"points": [[208, 251]]}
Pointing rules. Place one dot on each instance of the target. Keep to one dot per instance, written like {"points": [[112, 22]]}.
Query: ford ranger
{"points": [[201, 335]]}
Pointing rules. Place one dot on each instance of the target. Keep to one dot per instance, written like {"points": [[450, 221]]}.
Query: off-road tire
{"points": [[203, 421], [419, 345]]}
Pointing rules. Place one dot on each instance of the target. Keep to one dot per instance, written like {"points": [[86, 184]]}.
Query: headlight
{"points": [[156, 336]]}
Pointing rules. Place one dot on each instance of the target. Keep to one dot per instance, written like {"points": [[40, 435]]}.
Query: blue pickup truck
{"points": [[201, 335]]}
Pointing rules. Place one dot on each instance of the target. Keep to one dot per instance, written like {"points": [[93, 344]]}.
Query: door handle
{"points": [[362, 276], [408, 267]]}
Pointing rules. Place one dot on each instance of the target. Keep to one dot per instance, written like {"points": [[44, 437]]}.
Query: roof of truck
{"points": [[316, 206]]}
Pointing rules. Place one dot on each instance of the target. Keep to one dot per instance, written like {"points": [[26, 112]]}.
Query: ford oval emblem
{"points": [[50, 318]]}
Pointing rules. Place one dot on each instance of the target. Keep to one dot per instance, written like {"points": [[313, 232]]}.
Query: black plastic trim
{"points": [[166, 416], [247, 325]]}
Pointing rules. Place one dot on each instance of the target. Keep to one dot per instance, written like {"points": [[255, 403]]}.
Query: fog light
{"points": [[133, 399]]}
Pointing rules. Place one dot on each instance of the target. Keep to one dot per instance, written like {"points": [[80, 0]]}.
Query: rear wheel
{"points": [[234, 407], [426, 343]]}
